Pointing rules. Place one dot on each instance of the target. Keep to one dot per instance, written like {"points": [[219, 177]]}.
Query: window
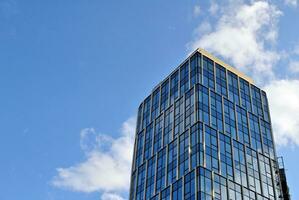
{"points": [[204, 184], [156, 197], [179, 117], [184, 153], [248, 194], [139, 148], [226, 161], [184, 78], [220, 187], [240, 165], [211, 149], [268, 145], [266, 107], [146, 111], [203, 104], [197, 148], [233, 88], [260, 197], [234, 191], [256, 101], [243, 132], [245, 94], [255, 133], [189, 189], [172, 162], [216, 111], [229, 119], [148, 141], [164, 95], [158, 134], [165, 194], [133, 186], [177, 188], [174, 87], [266, 177], [253, 170], [140, 183], [195, 69], [168, 123], [161, 167], [150, 177], [139, 119], [221, 87], [155, 103], [189, 107], [208, 73]]}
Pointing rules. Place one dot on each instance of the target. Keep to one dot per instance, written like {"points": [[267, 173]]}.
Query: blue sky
{"points": [[72, 74]]}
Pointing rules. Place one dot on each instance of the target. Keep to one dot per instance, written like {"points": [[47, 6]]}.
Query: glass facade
{"points": [[204, 133]]}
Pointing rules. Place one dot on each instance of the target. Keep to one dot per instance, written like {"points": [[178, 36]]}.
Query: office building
{"points": [[205, 133]]}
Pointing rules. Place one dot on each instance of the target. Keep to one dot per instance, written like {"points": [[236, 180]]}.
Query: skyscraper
{"points": [[205, 133]]}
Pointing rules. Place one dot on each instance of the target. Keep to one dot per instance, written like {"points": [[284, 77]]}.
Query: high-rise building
{"points": [[205, 133]]}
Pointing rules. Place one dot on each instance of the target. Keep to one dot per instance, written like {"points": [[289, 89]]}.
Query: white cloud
{"points": [[296, 50], [111, 196], [107, 165], [196, 11], [293, 3], [203, 28], [294, 66], [214, 8], [243, 35], [283, 98]]}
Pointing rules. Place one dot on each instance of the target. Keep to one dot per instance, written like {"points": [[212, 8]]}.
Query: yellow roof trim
{"points": [[228, 67]]}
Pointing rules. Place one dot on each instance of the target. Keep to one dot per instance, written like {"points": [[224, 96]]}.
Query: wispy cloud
{"points": [[294, 66], [196, 11], [107, 165], [204, 28], [296, 50], [214, 7], [293, 3]]}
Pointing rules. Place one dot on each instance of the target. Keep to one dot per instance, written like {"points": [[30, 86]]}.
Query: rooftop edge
{"points": [[228, 67], [216, 60]]}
